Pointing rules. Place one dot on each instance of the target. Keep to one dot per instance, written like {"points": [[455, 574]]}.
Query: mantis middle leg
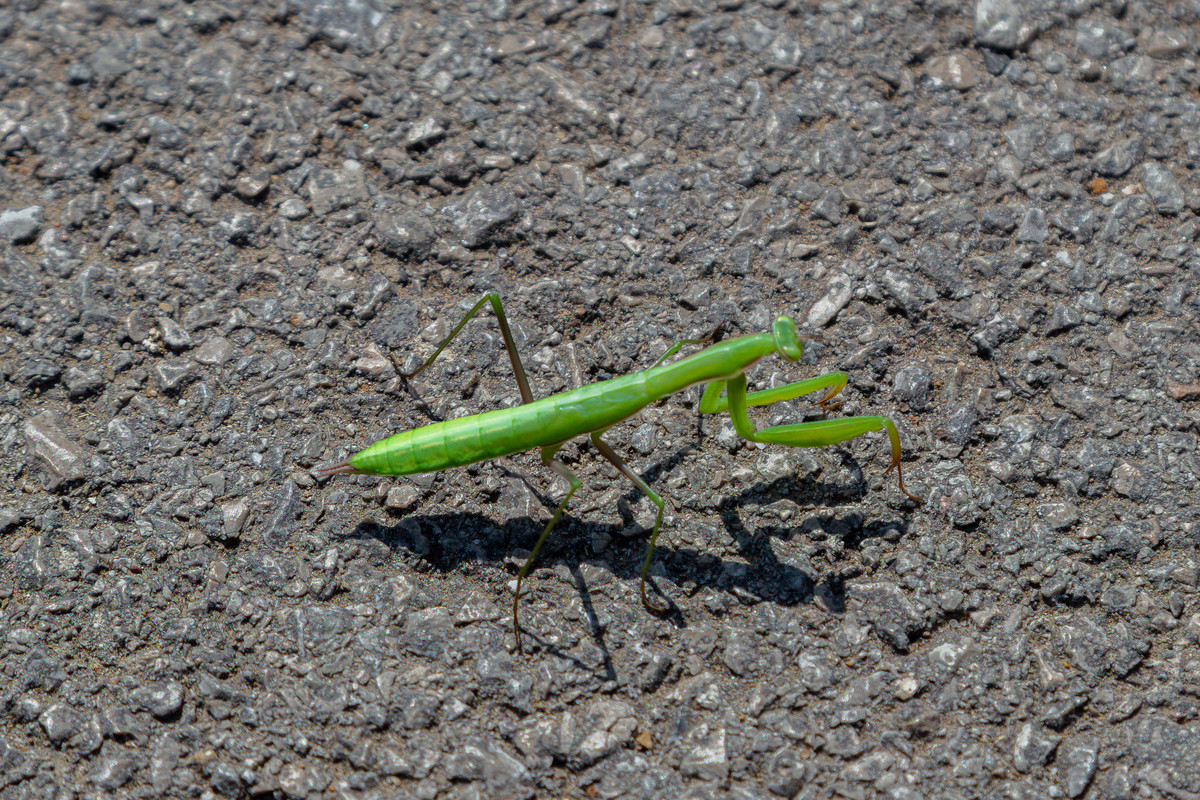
{"points": [[628, 472], [708, 337]]}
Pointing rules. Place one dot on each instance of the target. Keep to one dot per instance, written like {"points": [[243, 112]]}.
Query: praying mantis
{"points": [[549, 423]]}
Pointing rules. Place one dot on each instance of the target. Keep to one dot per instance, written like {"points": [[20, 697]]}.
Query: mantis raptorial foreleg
{"points": [[713, 403], [810, 434]]}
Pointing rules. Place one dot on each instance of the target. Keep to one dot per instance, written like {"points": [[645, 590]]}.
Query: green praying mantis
{"points": [[551, 422]]}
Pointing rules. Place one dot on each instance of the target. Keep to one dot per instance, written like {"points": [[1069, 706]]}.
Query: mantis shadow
{"points": [[445, 542], [826, 529], [770, 579]]}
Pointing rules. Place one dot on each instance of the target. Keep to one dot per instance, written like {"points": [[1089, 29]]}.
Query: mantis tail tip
{"points": [[329, 470]]}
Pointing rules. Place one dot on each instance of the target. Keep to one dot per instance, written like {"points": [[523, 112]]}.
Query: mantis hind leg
{"points": [[628, 472], [509, 344], [561, 469], [812, 434]]}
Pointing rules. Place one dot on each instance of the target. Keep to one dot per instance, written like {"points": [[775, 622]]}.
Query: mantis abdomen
{"points": [[505, 431]]}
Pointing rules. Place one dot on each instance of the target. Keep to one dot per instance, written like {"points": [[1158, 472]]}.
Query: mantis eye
{"points": [[787, 343]]}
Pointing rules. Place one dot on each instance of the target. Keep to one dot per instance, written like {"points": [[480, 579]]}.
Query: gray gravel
{"points": [[220, 222]]}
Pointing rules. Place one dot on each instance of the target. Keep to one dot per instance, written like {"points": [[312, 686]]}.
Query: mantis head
{"points": [[787, 342]]}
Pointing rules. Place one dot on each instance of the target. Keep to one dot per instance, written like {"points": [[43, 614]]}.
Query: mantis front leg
{"points": [[713, 403], [804, 434]]}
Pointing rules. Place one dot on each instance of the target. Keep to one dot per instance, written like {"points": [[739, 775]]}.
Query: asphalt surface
{"points": [[224, 228]]}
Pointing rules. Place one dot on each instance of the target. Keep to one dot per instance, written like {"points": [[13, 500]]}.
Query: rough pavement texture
{"points": [[219, 221]]}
